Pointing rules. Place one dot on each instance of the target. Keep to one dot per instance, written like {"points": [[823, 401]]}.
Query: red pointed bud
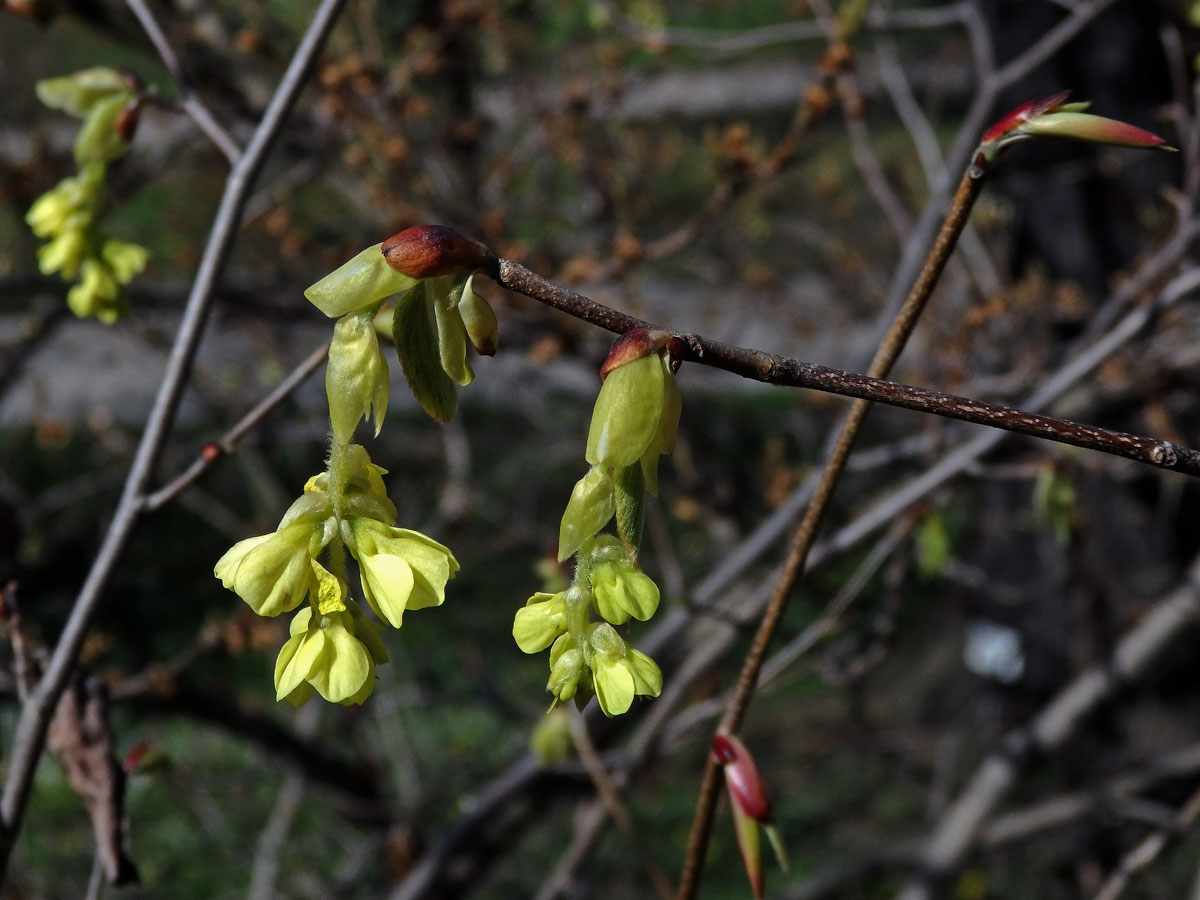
{"points": [[1022, 114], [746, 787], [1052, 117], [634, 344], [425, 251]]}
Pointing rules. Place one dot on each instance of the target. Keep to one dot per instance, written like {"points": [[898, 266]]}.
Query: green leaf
{"points": [[415, 334]]}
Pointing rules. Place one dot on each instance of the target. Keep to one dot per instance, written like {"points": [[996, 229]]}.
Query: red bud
{"points": [[1024, 113], [746, 787], [425, 251], [634, 344]]}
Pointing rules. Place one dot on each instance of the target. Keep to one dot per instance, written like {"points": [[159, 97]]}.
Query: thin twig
{"points": [[227, 443], [960, 825], [889, 349], [188, 101], [29, 740], [1148, 849]]}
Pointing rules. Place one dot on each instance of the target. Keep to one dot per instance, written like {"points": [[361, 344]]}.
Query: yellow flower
{"points": [[271, 572], [619, 672], [324, 654], [540, 621], [400, 569]]}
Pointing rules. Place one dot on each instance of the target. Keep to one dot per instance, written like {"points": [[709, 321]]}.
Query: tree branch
{"points": [[29, 741]]}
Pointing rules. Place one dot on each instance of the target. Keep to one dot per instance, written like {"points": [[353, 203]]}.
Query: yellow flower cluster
{"points": [[66, 215], [333, 646]]}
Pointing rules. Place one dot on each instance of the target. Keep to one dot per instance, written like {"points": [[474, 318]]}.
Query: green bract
{"points": [[358, 283], [414, 330], [451, 333], [356, 379], [79, 93], [591, 505], [627, 413], [479, 320]]}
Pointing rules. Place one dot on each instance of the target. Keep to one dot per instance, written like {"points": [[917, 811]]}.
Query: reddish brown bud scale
{"points": [[746, 787], [210, 452], [127, 119], [426, 251], [1024, 113], [634, 344]]}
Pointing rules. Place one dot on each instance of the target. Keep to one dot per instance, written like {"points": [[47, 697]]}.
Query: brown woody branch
{"points": [[784, 371]]}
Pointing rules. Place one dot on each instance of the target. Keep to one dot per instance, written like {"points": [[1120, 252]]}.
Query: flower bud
{"points": [[566, 670], [426, 251]]}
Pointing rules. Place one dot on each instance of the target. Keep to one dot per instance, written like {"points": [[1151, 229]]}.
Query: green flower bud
{"points": [[479, 320], [566, 669], [358, 283], [622, 590], [270, 572], [591, 506], [78, 195], [356, 379], [66, 252], [538, 623], [400, 569], [627, 414], [415, 333], [96, 294]]}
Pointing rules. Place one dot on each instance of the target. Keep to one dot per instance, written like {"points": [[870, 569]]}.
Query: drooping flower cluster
{"points": [[633, 423], [66, 216], [334, 647]]}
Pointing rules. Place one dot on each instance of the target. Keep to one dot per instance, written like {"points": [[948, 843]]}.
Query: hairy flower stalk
{"points": [[633, 423]]}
